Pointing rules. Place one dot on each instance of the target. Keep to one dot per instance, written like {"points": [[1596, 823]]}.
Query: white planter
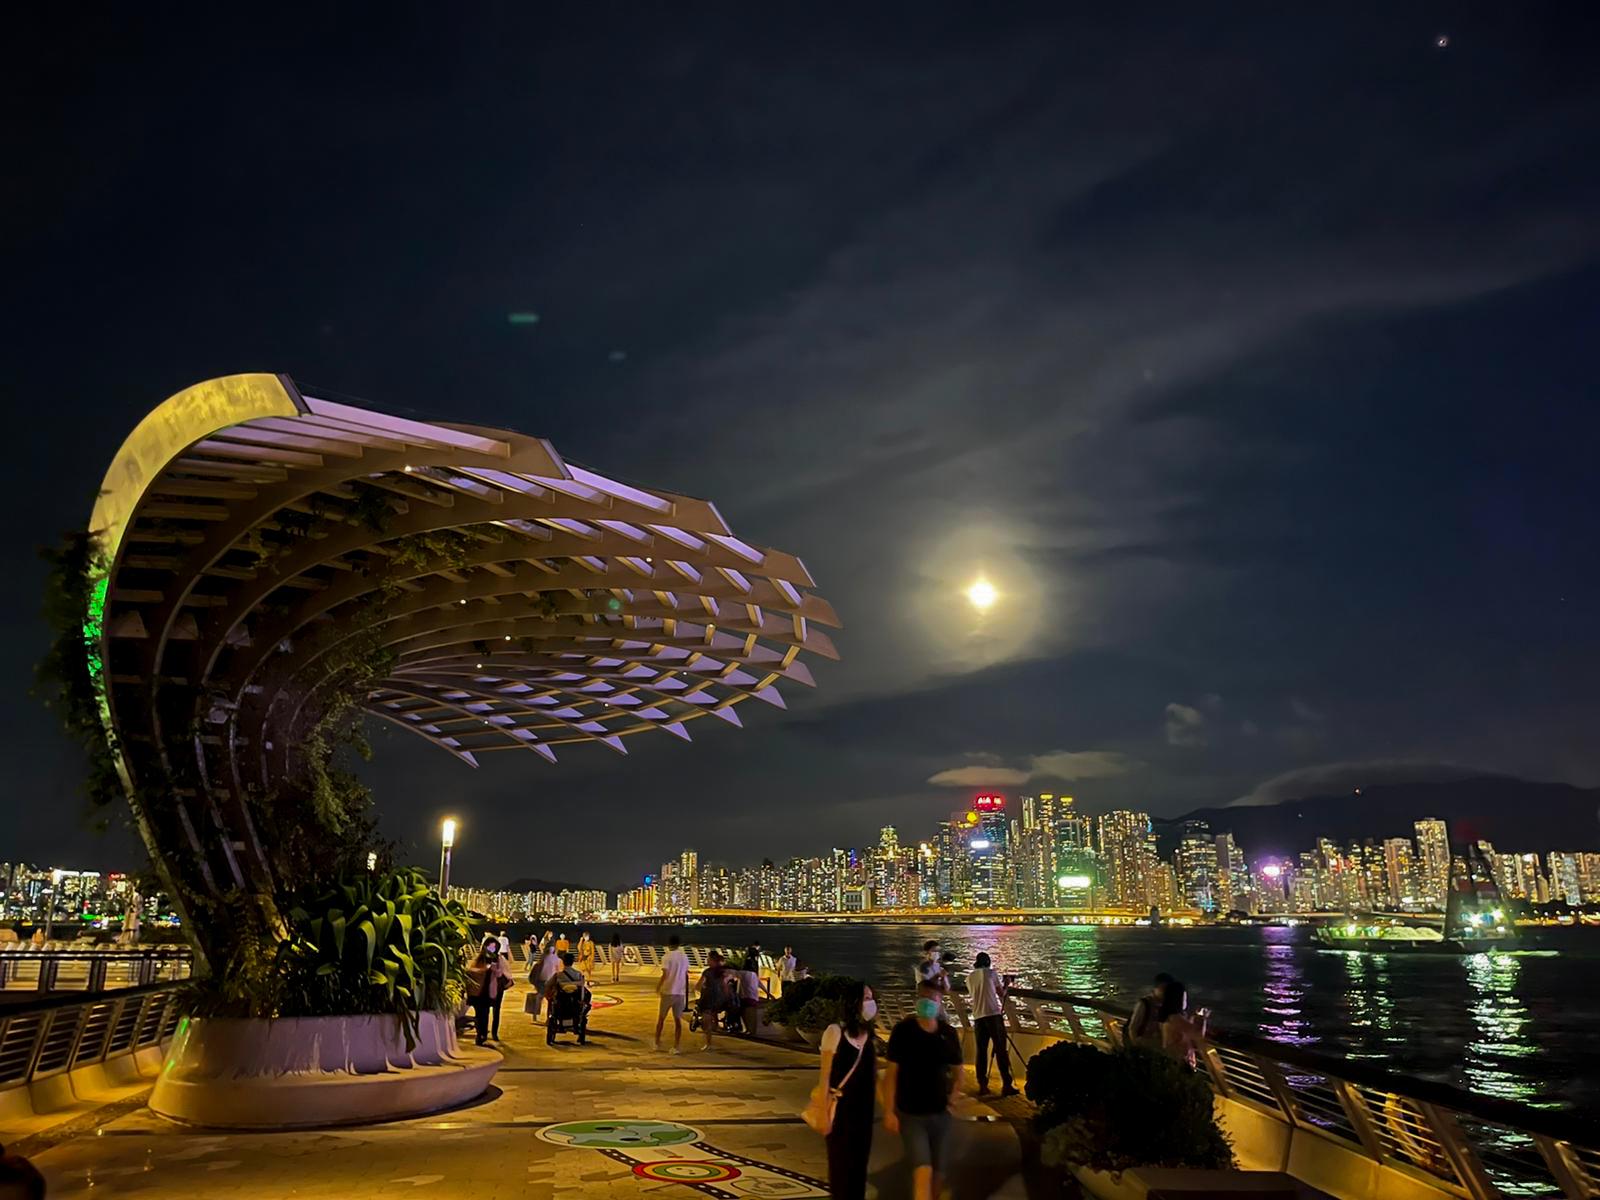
{"points": [[306, 1071]]}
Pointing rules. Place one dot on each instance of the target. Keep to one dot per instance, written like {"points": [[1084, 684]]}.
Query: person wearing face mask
{"points": [[924, 1067], [842, 1101], [487, 980]]}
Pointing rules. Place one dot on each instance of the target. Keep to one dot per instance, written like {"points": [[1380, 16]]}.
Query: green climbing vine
{"points": [[70, 678]]}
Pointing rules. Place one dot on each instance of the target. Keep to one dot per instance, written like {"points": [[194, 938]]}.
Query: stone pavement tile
{"points": [[743, 1099]]}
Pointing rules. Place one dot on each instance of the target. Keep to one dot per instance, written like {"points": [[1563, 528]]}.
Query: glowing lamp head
{"points": [[372, 860], [982, 594], [449, 832]]}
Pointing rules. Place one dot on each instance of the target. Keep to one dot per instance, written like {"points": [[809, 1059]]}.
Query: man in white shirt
{"points": [[985, 990], [673, 988], [786, 966]]}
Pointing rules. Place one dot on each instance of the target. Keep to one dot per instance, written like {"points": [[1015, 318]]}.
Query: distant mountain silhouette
{"points": [[547, 885], [1515, 814]]}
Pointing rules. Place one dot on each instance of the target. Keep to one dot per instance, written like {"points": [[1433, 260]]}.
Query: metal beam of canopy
{"points": [[252, 533]]}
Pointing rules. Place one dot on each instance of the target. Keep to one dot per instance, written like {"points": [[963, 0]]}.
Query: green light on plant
{"points": [[94, 626]]}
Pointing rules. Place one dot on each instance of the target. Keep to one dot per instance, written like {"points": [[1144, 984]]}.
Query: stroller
{"points": [[726, 1011], [570, 1001]]}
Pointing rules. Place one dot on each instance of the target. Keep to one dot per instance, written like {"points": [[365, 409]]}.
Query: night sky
{"points": [[1249, 350]]}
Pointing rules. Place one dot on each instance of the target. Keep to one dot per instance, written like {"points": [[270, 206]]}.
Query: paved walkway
{"points": [[614, 1118]]}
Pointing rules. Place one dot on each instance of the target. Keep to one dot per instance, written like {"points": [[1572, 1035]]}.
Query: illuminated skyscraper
{"points": [[987, 847], [1233, 878], [1433, 853], [1122, 843], [1197, 859], [1400, 868]]}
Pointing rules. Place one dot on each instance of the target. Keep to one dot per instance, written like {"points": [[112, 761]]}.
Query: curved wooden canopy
{"points": [[249, 531]]}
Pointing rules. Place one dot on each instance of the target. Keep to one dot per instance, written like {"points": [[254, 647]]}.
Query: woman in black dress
{"points": [[850, 1068]]}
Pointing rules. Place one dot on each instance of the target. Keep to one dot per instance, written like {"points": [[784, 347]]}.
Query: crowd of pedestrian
{"points": [[922, 1059]]}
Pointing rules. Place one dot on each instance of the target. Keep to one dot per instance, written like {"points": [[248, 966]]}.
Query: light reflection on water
{"points": [[1521, 1028], [1500, 1021], [1283, 993]]}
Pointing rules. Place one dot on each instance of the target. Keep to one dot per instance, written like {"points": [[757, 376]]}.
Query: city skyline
{"points": [[1048, 855]]}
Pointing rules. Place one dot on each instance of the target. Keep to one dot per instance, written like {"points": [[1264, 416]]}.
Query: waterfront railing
{"points": [[1311, 1111], [91, 970], [57, 1035]]}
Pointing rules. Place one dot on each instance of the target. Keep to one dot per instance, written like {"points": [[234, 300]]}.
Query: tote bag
{"points": [[824, 1102]]}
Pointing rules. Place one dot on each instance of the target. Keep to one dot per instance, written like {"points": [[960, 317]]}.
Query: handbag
{"points": [[818, 1112]]}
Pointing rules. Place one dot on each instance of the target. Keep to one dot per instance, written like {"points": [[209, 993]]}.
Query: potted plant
{"points": [[1099, 1114]]}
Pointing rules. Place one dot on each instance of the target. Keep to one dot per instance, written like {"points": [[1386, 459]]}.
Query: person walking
{"points": [[715, 996], [616, 956], [543, 972], [846, 1083], [562, 945], [673, 989], [924, 1067], [585, 954], [986, 1002], [487, 978], [497, 954]]}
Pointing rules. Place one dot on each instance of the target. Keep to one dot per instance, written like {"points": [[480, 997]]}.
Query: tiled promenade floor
{"points": [[723, 1124]]}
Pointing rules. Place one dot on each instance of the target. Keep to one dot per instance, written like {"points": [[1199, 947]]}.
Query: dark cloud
{"points": [[1246, 355]]}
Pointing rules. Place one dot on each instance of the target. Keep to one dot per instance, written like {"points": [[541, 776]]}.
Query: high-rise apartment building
{"points": [[1433, 858], [1400, 874], [1122, 842], [1197, 866], [1233, 877]]}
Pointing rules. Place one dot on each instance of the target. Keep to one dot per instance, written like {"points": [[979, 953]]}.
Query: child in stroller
{"points": [[569, 1001]]}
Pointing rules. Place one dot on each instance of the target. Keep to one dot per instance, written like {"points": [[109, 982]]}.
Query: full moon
{"points": [[982, 594]]}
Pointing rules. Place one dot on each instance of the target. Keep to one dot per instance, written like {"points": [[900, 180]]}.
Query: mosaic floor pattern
{"points": [[614, 1118]]}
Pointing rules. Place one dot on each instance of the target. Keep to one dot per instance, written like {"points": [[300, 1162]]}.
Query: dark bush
{"points": [[785, 1010], [1132, 1107]]}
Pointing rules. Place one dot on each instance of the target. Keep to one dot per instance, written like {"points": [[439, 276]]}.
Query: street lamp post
{"points": [[446, 842], [50, 907]]}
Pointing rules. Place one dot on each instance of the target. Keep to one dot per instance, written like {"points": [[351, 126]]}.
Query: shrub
{"points": [[1132, 1107], [797, 995], [382, 943]]}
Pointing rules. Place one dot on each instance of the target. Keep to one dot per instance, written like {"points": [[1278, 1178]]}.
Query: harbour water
{"points": [[1521, 1027]]}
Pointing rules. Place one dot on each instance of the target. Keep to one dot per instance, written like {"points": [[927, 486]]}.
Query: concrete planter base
{"points": [[301, 1072]]}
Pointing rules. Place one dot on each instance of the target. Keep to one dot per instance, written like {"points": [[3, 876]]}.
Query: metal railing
{"points": [[1464, 1144], [52, 1036], [49, 971]]}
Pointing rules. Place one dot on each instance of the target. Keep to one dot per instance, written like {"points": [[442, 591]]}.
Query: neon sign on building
{"points": [[990, 803]]}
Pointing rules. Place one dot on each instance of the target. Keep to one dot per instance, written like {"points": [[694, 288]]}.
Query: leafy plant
{"points": [[812, 1003], [71, 674], [380, 943], [1132, 1107]]}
